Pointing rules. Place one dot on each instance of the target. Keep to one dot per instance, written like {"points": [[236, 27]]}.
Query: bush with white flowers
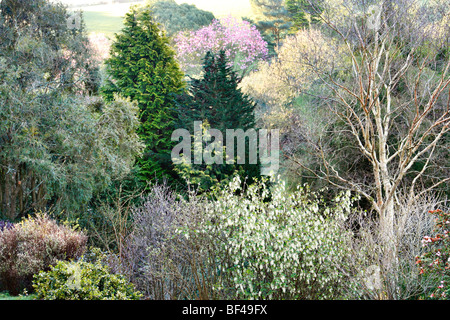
{"points": [[275, 244]]}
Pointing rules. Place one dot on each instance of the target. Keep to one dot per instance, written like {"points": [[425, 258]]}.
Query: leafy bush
{"points": [[276, 245], [435, 263], [33, 245], [82, 281]]}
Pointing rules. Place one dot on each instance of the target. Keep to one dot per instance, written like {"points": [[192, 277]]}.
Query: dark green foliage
{"points": [[143, 68], [35, 36], [274, 20], [55, 150], [216, 100], [278, 18], [303, 13], [180, 17]]}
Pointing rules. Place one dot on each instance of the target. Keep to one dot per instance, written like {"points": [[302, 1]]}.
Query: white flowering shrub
{"points": [[272, 244]]}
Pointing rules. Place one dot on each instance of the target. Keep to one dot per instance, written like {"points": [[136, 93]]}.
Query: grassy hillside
{"points": [[108, 19]]}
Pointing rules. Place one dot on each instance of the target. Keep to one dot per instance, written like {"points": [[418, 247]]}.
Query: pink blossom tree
{"points": [[242, 43]]}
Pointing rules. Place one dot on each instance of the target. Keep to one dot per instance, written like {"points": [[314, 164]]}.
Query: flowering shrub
{"points": [[435, 263], [34, 245], [242, 43], [278, 245], [82, 281]]}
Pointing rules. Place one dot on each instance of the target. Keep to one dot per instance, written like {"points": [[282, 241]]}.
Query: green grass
{"points": [[6, 296], [102, 22], [108, 19]]}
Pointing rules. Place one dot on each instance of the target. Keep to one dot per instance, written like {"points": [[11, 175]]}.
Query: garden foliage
{"points": [[33, 245], [142, 67], [273, 244], [82, 280], [218, 103]]}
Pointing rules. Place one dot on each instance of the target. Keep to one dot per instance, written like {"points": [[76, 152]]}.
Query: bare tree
{"points": [[391, 101]]}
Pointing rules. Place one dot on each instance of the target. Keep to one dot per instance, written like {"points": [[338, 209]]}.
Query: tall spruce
{"points": [[142, 67], [216, 100]]}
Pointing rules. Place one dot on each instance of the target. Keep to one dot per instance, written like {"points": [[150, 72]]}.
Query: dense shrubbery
{"points": [[58, 145], [82, 281], [257, 244], [34, 245], [360, 107]]}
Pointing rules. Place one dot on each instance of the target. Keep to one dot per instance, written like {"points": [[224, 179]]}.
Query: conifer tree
{"points": [[273, 20], [303, 13], [217, 101], [142, 67]]}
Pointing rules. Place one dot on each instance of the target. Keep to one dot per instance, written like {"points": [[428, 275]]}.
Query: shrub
{"points": [[164, 262], [276, 245], [82, 281], [435, 262], [33, 245], [252, 244]]}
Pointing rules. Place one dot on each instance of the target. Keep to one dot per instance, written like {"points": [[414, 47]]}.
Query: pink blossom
{"points": [[242, 43]]}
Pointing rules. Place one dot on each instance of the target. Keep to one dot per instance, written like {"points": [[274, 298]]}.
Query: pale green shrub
{"points": [[82, 280], [272, 244]]}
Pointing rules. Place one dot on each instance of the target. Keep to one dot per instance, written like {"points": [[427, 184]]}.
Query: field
{"points": [[108, 19]]}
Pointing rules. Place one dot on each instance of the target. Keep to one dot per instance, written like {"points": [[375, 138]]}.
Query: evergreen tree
{"points": [[303, 13], [273, 19], [175, 17], [142, 67], [217, 101]]}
